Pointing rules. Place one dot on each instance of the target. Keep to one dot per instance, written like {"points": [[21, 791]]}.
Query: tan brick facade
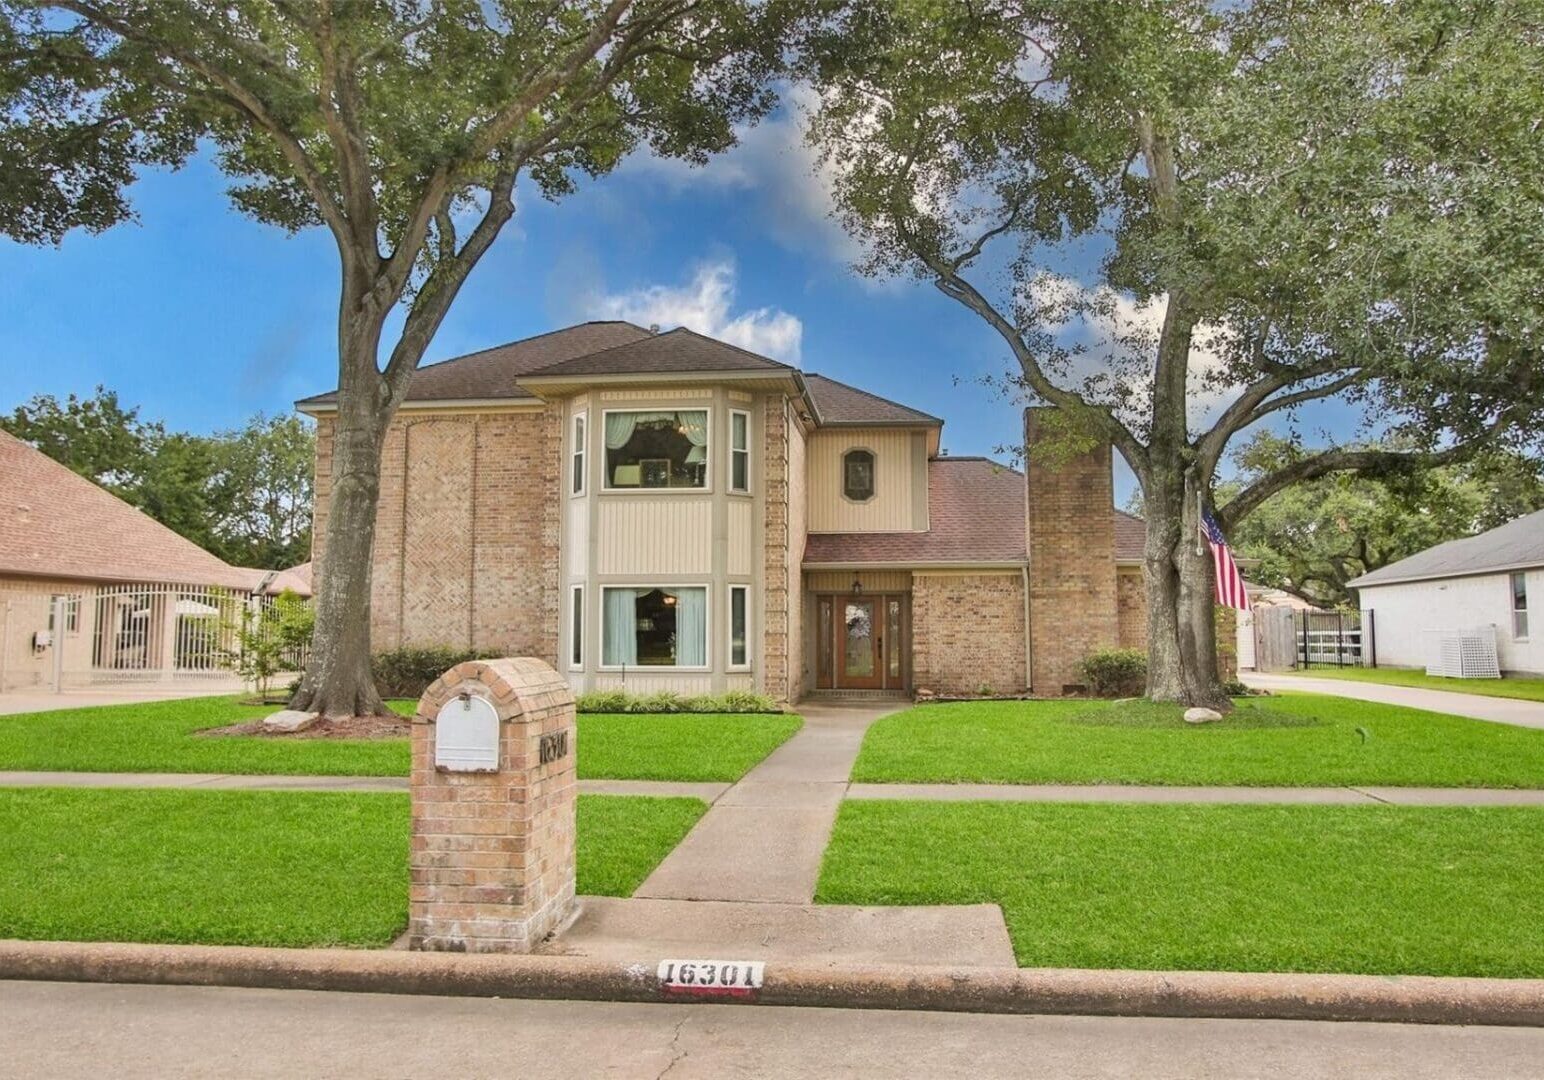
{"points": [[1070, 534], [1131, 607], [492, 854], [779, 567], [967, 633], [467, 530]]}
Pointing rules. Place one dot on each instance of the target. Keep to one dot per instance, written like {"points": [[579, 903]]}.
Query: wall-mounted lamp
{"points": [[857, 587]]}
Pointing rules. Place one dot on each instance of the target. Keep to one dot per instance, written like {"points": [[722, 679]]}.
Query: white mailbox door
{"points": [[466, 737]]}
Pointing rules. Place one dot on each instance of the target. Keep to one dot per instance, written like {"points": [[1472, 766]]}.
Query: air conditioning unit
{"points": [[1463, 654]]}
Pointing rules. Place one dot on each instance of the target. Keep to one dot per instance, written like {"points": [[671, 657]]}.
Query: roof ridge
{"points": [[871, 395], [538, 337]]}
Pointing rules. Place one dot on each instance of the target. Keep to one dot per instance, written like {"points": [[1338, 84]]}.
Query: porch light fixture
{"points": [[857, 587]]}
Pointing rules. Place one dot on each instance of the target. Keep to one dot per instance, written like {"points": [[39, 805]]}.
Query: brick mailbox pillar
{"points": [[493, 799]]}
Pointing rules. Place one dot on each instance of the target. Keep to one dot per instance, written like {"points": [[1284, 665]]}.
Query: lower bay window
{"points": [[662, 626], [739, 627]]}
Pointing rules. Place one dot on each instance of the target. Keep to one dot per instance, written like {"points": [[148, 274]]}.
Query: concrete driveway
{"points": [[1477, 706], [27, 701]]}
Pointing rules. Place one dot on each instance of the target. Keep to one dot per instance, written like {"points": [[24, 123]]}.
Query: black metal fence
{"points": [[1336, 639]]}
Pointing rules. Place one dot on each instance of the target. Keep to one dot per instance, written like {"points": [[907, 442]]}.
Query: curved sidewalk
{"points": [[1475, 706]]}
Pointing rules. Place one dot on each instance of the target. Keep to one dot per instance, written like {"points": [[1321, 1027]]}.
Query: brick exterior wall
{"points": [[967, 633], [492, 854], [467, 529], [1131, 607], [778, 569], [798, 534], [1070, 534]]}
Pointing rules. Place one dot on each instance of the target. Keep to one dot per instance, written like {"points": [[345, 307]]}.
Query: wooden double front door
{"points": [[862, 641]]}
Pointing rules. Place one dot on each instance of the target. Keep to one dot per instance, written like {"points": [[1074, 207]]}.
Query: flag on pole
{"points": [[1230, 583]]}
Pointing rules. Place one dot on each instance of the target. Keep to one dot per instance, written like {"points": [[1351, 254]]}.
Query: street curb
{"points": [[1226, 995]]}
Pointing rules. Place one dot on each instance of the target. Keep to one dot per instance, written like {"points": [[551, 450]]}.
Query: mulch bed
{"points": [[353, 727]]}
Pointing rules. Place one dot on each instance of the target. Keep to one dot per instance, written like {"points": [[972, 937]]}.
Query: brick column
{"points": [[492, 856], [1070, 533], [776, 556]]}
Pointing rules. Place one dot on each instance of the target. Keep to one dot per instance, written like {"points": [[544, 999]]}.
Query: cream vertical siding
{"points": [[655, 534], [893, 508], [576, 537], [873, 581], [741, 555]]}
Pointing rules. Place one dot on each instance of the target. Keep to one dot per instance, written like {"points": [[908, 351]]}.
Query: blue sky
{"points": [[202, 317]]}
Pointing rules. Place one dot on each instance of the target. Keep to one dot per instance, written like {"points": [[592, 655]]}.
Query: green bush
{"points": [[668, 701], [407, 673], [1115, 672]]}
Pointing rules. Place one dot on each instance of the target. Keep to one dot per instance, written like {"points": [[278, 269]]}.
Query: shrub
{"points": [[1235, 688], [407, 673], [668, 701], [1116, 672]]}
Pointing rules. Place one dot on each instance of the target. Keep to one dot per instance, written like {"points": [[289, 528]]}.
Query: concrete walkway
{"points": [[763, 839], [808, 800], [1476, 706], [13, 702]]}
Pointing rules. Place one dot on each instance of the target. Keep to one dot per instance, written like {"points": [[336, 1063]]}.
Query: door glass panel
{"points": [[858, 655], [823, 647], [893, 636]]}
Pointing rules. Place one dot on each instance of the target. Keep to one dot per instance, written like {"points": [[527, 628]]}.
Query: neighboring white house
{"points": [[1486, 580]]}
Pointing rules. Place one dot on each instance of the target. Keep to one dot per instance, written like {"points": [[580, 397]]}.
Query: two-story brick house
{"points": [[667, 511]]}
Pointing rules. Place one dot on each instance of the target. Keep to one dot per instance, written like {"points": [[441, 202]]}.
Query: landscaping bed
{"points": [[1287, 740], [258, 868], [220, 735], [1376, 890]]}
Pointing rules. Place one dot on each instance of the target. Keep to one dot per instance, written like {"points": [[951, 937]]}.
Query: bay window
{"points": [[647, 448], [576, 628], [578, 456], [739, 627], [739, 451], [654, 626]]}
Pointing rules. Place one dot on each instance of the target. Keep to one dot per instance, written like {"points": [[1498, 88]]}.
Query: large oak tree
{"points": [[1188, 219], [402, 127]]}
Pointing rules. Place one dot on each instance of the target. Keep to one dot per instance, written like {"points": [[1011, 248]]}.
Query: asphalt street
{"points": [[68, 1030]]}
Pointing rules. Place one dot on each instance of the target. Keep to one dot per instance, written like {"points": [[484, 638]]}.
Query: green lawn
{"points": [[258, 868], [1378, 890], [1297, 740], [161, 737], [1523, 689]]}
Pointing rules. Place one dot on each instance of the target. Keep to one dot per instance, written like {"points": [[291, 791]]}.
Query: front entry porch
{"points": [[863, 642]]}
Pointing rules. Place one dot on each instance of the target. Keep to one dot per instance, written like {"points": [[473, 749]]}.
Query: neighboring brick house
{"points": [[92, 589], [667, 511]]}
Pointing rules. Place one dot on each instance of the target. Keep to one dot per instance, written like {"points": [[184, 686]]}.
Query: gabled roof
{"points": [[56, 523], [1517, 545], [675, 351], [838, 403], [492, 373], [1130, 537]]}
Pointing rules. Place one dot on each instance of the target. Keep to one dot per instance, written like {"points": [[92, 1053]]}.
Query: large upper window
{"points": [[858, 475], [663, 626], [652, 449], [1520, 606]]}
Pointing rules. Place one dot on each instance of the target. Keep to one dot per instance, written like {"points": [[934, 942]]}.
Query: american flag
{"points": [[1230, 583]]}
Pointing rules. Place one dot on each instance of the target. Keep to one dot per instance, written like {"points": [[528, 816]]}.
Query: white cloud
{"points": [[704, 305], [773, 162]]}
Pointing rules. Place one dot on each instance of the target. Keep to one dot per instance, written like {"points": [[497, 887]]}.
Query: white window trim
{"points": [[729, 478], [1511, 600], [707, 622], [729, 664], [576, 628], [578, 454], [707, 466]]}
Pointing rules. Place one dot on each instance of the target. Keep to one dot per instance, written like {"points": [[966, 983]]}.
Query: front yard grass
{"points": [[1509, 687], [1376, 890], [162, 737], [1288, 740], [258, 868]]}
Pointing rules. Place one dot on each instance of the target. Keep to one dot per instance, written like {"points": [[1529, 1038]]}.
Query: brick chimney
{"points": [[1070, 533]]}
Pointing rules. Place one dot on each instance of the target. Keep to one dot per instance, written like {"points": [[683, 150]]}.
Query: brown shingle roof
{"points": [[678, 350], [56, 523], [839, 403], [491, 373], [976, 515]]}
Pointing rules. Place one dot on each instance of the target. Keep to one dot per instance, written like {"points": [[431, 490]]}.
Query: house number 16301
{"points": [[733, 977]]}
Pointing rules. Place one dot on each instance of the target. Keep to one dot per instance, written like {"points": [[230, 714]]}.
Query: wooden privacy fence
{"points": [[123, 635]]}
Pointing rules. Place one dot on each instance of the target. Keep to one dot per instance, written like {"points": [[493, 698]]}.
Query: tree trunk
{"points": [[338, 681], [1181, 626]]}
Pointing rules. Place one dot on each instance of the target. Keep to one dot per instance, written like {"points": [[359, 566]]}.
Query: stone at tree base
{"points": [[1202, 716], [289, 721]]}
